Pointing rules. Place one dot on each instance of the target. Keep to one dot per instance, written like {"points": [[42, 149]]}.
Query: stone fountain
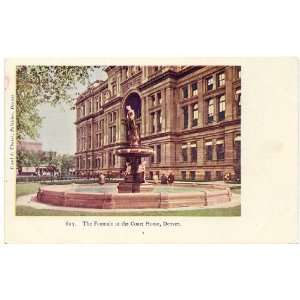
{"points": [[134, 181]]}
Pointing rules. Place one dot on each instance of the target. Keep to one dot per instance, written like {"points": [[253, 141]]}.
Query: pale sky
{"points": [[58, 132]]}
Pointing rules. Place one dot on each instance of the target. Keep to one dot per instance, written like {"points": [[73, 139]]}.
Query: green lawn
{"points": [[27, 188], [31, 188]]}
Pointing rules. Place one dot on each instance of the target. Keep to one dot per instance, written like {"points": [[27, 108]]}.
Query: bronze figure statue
{"points": [[132, 128]]}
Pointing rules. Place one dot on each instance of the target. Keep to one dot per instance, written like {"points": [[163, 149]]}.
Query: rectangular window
{"points": [[185, 92], [194, 89], [208, 148], [210, 114], [207, 175], [158, 153], [220, 150], [184, 152], [192, 175], [237, 147], [209, 83], [90, 106], [185, 117], [152, 123], [195, 115], [194, 152], [159, 121], [83, 110], [219, 175], [114, 89], [109, 158], [152, 97], [114, 134], [183, 175], [159, 98], [110, 134], [222, 105], [152, 157], [238, 102], [221, 79]]}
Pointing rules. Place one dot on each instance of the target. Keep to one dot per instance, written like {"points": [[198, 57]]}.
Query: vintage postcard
{"points": [[151, 150]]}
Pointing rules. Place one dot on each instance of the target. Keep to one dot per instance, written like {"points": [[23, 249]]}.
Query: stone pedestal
{"points": [[134, 187]]}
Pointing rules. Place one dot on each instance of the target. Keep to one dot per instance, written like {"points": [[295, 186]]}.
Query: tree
{"points": [[44, 84], [66, 163]]}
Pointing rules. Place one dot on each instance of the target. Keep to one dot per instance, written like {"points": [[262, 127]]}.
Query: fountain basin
{"points": [[69, 197]]}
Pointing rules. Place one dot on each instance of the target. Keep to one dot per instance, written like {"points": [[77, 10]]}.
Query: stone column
{"points": [[229, 148], [201, 106], [229, 95], [105, 129], [143, 113], [92, 134], [169, 112], [216, 109], [200, 152]]}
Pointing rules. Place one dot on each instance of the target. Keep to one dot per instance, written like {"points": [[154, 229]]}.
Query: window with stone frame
{"points": [[185, 92], [158, 95], [152, 98], [110, 159], [90, 136], [208, 150], [114, 89], [220, 149], [185, 117], [152, 122], [152, 157], [158, 153], [113, 159], [184, 153], [192, 175], [219, 175], [195, 114], [90, 106], [193, 152], [194, 89], [158, 120], [237, 147], [97, 140], [209, 83], [83, 109], [221, 107], [210, 111], [114, 134], [238, 102], [221, 79]]}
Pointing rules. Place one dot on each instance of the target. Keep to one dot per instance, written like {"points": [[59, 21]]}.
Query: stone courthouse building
{"points": [[190, 115]]}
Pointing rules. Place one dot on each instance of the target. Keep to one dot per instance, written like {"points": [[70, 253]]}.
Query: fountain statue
{"points": [[134, 180]]}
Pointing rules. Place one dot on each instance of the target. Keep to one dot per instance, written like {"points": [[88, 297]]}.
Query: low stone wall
{"points": [[57, 196]]}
